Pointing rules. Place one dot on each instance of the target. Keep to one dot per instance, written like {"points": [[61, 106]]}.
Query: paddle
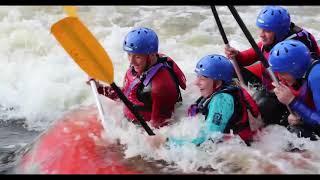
{"points": [[226, 42], [255, 122], [254, 46], [253, 43], [88, 53], [72, 12]]}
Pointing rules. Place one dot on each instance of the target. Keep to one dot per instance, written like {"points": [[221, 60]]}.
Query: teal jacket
{"points": [[220, 111]]}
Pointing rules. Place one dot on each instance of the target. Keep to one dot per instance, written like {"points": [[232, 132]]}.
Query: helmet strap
{"points": [[217, 84], [150, 61]]}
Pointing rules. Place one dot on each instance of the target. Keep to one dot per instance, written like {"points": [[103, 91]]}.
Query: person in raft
{"points": [[223, 104], [152, 82], [274, 25], [299, 86]]}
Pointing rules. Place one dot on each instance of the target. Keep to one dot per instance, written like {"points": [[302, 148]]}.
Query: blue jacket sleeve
{"points": [[221, 109], [309, 116]]}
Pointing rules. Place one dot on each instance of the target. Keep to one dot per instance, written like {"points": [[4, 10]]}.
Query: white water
{"points": [[41, 82]]}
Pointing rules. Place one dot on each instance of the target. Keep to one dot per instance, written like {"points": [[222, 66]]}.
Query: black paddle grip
{"points": [[248, 35], [221, 30]]}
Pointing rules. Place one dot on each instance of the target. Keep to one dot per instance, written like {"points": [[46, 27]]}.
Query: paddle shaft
{"points": [[132, 109], [255, 46], [253, 43], [226, 42], [91, 57], [96, 97]]}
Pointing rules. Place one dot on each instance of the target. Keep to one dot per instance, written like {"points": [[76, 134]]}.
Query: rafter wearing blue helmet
{"points": [[274, 25], [141, 41], [224, 105], [300, 87], [153, 80], [275, 19]]}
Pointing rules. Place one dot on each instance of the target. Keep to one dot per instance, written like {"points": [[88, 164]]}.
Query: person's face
{"points": [[138, 61], [286, 78], [267, 37], [205, 85]]}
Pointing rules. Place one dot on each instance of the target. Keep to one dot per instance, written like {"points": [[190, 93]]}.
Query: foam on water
{"points": [[40, 81], [268, 154]]}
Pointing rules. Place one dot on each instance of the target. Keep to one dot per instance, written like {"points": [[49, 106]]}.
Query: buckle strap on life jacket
{"points": [[162, 63], [305, 33], [305, 37], [133, 84], [145, 77], [241, 106], [152, 71], [169, 64], [202, 103], [240, 102], [302, 33]]}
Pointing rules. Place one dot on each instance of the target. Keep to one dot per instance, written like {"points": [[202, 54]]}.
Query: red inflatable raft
{"points": [[74, 145]]}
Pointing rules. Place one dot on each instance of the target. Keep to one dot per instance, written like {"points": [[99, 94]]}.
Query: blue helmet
{"points": [[141, 41], [275, 19], [290, 56], [216, 67]]}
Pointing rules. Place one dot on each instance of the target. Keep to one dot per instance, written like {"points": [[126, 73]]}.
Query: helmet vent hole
{"points": [[131, 45], [200, 65], [272, 13], [265, 11], [125, 42], [286, 50], [293, 45], [220, 58], [146, 31], [280, 12], [212, 56], [138, 32], [278, 53]]}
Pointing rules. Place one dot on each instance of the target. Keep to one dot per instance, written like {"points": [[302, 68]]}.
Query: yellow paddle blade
{"points": [[84, 48], [70, 10]]}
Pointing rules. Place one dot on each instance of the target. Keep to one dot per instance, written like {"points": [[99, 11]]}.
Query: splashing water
{"points": [[39, 82]]}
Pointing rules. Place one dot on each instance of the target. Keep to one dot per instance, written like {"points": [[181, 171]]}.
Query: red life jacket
{"points": [[260, 71], [308, 39], [239, 122], [303, 36], [138, 89]]}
